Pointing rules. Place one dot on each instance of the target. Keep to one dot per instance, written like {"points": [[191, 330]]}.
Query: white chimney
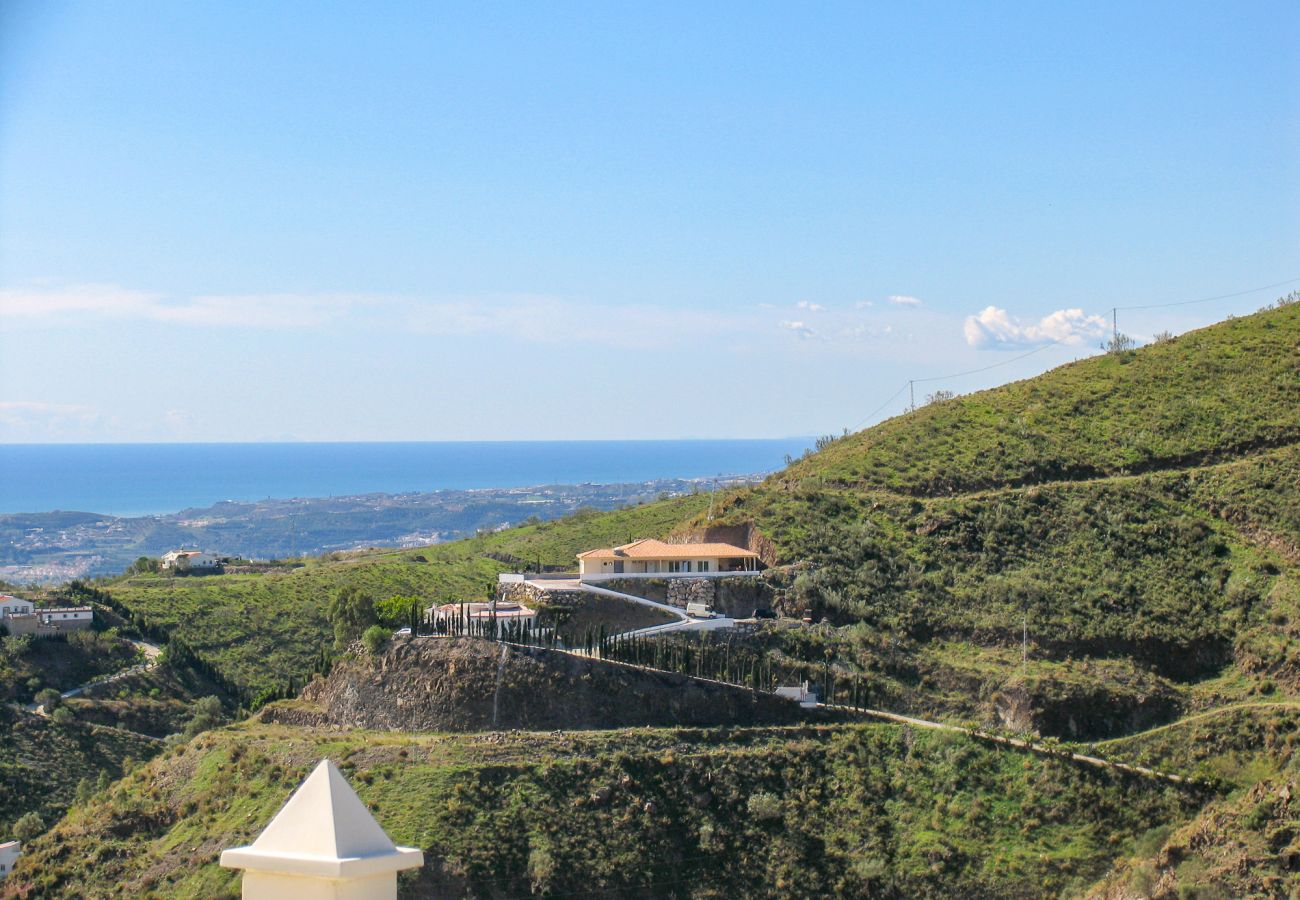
{"points": [[322, 845]]}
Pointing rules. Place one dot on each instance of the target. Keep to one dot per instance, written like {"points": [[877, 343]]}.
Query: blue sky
{"points": [[250, 221]]}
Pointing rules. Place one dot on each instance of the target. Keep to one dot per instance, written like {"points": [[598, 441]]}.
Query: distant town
{"points": [[50, 547]]}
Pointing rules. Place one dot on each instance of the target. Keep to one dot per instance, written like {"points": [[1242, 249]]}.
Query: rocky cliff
{"points": [[460, 684]]}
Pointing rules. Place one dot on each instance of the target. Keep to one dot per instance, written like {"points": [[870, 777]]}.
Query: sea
{"points": [[154, 479]]}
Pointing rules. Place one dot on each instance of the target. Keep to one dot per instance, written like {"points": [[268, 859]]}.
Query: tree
{"points": [[16, 646], [351, 612], [396, 610], [374, 638], [142, 566], [85, 790], [1119, 343], [939, 397], [63, 716], [48, 698], [29, 827], [207, 713]]}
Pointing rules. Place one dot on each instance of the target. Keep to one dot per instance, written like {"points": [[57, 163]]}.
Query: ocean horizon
{"points": [[156, 479]]}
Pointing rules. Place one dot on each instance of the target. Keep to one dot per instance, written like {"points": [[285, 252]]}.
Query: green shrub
{"points": [[374, 638]]}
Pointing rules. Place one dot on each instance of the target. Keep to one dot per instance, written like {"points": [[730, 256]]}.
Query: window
{"points": [[704, 565]]}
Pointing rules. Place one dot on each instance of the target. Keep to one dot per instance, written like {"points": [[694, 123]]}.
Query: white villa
{"points": [[21, 616], [15, 606], [9, 853], [651, 557], [189, 560]]}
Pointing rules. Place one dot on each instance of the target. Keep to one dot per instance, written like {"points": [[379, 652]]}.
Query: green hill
{"points": [[41, 762], [1213, 394], [772, 812]]}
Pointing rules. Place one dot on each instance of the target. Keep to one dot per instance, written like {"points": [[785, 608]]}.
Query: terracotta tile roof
{"points": [[652, 549]]}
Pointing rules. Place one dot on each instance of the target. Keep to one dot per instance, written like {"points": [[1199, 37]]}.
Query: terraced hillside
{"points": [[801, 811]]}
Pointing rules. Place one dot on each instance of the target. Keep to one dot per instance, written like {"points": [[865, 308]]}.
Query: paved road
{"points": [[151, 652], [682, 622]]}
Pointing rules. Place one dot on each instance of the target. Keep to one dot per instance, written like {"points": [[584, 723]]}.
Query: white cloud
{"points": [[994, 328], [903, 300], [809, 306], [865, 304], [799, 329], [78, 304]]}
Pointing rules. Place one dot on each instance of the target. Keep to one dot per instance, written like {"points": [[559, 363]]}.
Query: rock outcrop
{"points": [[462, 684]]}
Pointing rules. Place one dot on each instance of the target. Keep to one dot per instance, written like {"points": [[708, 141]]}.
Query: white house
{"points": [[9, 853], [646, 557], [23, 617], [72, 618], [189, 561], [15, 606]]}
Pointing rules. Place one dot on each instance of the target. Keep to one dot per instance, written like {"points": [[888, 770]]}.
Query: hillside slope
{"points": [[42, 761], [874, 810], [1142, 508], [1212, 394]]}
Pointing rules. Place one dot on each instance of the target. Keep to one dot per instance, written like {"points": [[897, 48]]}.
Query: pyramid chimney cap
{"points": [[325, 831]]}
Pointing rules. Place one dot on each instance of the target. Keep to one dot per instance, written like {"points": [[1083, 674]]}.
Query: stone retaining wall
{"points": [[682, 591], [533, 597]]}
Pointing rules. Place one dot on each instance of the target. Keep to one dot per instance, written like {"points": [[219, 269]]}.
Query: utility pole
{"points": [[911, 397], [712, 494], [1114, 323]]}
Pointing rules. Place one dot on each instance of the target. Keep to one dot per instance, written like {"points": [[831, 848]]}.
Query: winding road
{"points": [[151, 653]]}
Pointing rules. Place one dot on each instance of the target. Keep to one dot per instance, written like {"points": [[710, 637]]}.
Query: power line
{"points": [[872, 414], [1208, 299], [1005, 362], [907, 385]]}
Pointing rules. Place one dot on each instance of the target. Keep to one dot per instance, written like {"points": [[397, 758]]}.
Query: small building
{"points": [[71, 618], [49, 621], [189, 561], [504, 612], [9, 853], [651, 557], [15, 606]]}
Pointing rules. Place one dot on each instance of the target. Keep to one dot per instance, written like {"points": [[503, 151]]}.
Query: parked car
{"points": [[764, 613], [403, 631]]}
